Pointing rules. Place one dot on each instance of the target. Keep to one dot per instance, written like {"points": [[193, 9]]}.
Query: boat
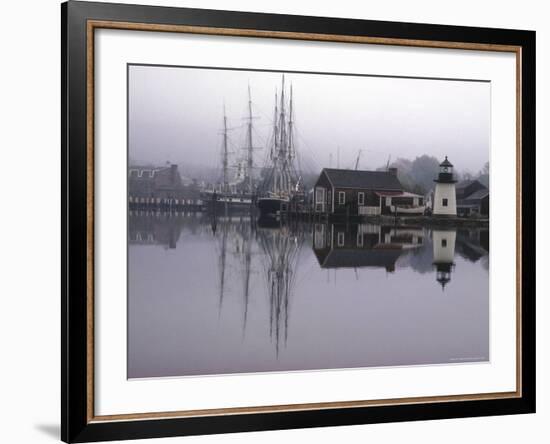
{"points": [[232, 201], [417, 210], [271, 206], [237, 193], [281, 188]]}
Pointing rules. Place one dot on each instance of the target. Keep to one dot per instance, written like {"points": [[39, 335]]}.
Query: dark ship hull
{"points": [[271, 206], [219, 202]]}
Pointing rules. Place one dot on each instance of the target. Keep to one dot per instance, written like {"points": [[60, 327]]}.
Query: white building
{"points": [[444, 201]]}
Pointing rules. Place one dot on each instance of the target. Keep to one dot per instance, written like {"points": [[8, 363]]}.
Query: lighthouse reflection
{"points": [[444, 242], [300, 296]]}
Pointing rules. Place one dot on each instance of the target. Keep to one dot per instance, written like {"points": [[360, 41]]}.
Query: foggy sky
{"points": [[176, 115]]}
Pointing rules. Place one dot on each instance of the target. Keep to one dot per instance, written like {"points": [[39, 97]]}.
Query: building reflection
{"points": [[246, 250], [159, 228], [473, 244], [334, 245], [363, 245]]}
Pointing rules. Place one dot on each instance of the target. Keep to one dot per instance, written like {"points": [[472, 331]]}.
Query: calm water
{"points": [[232, 296]]}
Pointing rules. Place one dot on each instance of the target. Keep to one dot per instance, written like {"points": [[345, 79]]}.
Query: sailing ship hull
{"points": [[220, 202], [270, 206]]}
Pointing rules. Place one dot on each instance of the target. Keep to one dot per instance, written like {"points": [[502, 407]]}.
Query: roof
{"points": [[465, 183], [464, 204], [160, 178], [446, 163], [397, 194], [145, 172], [356, 258], [371, 180], [479, 194]]}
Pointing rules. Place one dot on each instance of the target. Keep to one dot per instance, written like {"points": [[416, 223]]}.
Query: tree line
{"points": [[417, 175]]}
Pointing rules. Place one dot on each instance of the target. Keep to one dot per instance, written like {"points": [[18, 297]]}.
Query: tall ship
{"points": [[237, 186], [281, 186]]}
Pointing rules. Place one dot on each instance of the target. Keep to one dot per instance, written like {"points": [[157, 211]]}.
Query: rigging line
{"points": [[233, 145], [261, 125], [269, 118], [260, 136], [302, 138]]}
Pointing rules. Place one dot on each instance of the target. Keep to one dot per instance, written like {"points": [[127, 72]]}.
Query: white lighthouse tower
{"points": [[444, 201]]}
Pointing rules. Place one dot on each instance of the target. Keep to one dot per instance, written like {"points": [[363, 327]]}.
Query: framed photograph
{"points": [[275, 221]]}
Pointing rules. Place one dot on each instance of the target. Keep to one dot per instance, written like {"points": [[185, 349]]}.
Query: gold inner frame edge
{"points": [[92, 25]]}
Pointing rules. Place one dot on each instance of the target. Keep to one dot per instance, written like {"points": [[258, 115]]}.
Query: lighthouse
{"points": [[444, 252], [444, 201]]}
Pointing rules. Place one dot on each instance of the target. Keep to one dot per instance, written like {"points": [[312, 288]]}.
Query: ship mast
{"points": [[250, 159], [273, 153], [275, 147], [291, 153], [290, 123], [282, 153], [282, 141], [225, 153]]}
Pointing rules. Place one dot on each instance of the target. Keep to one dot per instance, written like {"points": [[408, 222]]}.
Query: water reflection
{"points": [[363, 245], [311, 290], [281, 248]]}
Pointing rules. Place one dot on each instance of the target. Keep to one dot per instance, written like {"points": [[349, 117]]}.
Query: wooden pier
{"points": [[304, 212], [165, 205]]}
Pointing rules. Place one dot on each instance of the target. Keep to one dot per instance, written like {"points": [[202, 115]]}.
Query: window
{"points": [[359, 239], [341, 197], [320, 195], [320, 200], [341, 239], [361, 198], [443, 242], [445, 202]]}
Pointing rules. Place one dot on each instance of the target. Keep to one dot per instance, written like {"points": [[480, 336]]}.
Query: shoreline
{"points": [[428, 221]]}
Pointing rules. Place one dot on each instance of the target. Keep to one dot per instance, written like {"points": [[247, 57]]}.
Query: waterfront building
{"points": [[472, 198], [364, 193], [153, 185], [151, 182]]}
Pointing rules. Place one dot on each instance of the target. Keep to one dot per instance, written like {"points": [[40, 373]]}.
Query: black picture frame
{"points": [[76, 325]]}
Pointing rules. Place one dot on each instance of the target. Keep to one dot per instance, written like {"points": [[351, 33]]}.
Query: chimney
{"points": [[393, 171]]}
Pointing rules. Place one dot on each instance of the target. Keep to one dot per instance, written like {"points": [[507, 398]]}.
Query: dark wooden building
{"points": [[355, 192], [467, 187], [472, 198]]}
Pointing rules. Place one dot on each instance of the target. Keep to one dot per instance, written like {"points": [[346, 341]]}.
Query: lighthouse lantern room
{"points": [[444, 202]]}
